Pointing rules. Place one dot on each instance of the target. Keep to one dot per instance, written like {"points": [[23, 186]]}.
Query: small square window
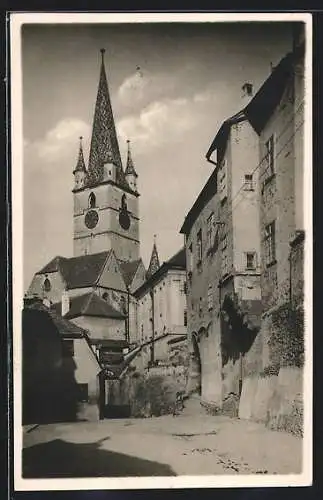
{"points": [[185, 317], [250, 260], [248, 182], [199, 246]]}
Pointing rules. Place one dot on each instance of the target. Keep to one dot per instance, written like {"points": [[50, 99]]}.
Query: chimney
{"points": [[47, 303], [65, 303], [247, 91]]}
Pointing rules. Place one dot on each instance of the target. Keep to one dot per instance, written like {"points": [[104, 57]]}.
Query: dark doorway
{"points": [[196, 366]]}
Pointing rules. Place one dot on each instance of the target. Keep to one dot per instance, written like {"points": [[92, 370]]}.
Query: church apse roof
{"points": [[90, 304], [78, 272]]}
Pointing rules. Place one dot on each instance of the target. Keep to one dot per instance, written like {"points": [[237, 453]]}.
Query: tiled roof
{"points": [[90, 304], [129, 270], [79, 271], [178, 261], [65, 328], [80, 166], [104, 142], [154, 262], [130, 168]]}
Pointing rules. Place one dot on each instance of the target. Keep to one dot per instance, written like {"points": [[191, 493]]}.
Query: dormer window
{"points": [[92, 200]]}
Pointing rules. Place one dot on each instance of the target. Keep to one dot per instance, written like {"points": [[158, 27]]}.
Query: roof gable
{"points": [[111, 275], [139, 277], [129, 270]]}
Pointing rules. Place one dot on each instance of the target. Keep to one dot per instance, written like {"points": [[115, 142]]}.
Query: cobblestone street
{"points": [[164, 446]]}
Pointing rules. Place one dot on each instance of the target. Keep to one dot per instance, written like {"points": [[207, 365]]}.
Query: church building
{"points": [[94, 288]]}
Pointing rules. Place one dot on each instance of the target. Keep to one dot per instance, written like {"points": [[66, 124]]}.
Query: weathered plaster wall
{"points": [[102, 328], [57, 286]]}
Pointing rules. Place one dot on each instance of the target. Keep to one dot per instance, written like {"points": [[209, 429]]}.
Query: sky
{"points": [[188, 82]]}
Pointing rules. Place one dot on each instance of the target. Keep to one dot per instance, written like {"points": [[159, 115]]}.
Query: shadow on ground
{"points": [[60, 459]]}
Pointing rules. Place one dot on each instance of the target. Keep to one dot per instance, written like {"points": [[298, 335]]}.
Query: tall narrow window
{"points": [[210, 297], [269, 158], [190, 257], [92, 200], [210, 231], [224, 255], [250, 260], [199, 246], [270, 243], [185, 317]]}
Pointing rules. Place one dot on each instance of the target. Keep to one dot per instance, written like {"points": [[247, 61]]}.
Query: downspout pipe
{"points": [[152, 348], [128, 315]]}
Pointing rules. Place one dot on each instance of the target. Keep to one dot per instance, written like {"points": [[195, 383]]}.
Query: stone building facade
{"points": [[223, 255], [244, 244], [277, 356], [162, 314]]}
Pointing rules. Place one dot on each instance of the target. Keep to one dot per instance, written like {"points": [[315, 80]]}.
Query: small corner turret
{"points": [[130, 172], [80, 170]]}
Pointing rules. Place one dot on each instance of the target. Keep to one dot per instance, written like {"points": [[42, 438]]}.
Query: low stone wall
{"points": [[275, 400]]}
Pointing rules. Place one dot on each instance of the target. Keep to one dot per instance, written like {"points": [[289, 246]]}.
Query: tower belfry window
{"points": [[92, 200]]}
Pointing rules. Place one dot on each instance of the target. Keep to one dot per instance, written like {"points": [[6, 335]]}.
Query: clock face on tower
{"points": [[124, 218], [91, 219]]}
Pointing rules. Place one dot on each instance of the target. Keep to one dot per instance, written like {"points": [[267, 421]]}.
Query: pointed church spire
{"points": [[104, 143], [154, 260], [80, 166], [130, 168]]}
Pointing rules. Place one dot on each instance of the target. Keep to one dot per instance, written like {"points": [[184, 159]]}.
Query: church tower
{"points": [[106, 208]]}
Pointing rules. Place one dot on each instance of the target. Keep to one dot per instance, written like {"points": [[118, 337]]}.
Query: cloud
{"points": [[158, 123], [59, 141], [143, 87], [133, 88]]}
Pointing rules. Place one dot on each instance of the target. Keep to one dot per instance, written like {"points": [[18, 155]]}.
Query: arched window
{"points": [[92, 200], [124, 202], [123, 304], [47, 286]]}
